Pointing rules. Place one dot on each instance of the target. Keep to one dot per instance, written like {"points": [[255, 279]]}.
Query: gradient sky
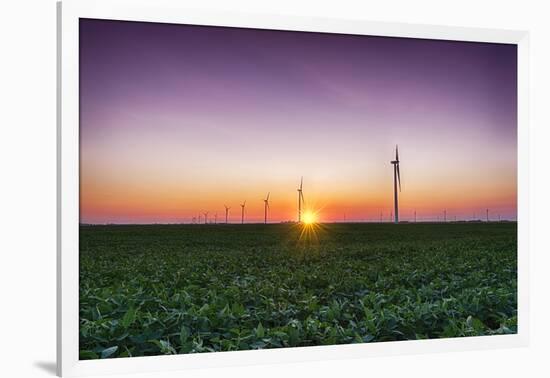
{"points": [[176, 120]]}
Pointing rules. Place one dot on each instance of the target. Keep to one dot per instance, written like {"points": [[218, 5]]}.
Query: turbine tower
{"points": [[242, 211], [300, 200], [226, 212], [396, 180], [266, 208]]}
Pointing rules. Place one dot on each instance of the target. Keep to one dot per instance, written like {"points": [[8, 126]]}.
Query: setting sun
{"points": [[310, 217]]}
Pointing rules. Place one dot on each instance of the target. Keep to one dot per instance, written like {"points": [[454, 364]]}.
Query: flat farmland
{"points": [[168, 289]]}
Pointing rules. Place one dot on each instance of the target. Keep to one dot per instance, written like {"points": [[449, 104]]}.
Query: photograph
{"points": [[244, 189]]}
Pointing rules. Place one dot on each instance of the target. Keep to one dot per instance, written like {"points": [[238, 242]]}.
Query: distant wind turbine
{"points": [[396, 180], [300, 200], [242, 211], [206, 217], [266, 208], [226, 212], [487, 211], [444, 215]]}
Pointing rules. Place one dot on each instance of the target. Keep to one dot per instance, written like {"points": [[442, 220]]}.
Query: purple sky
{"points": [[180, 119]]}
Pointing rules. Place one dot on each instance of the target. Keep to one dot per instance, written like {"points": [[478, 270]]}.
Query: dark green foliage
{"points": [[149, 290]]}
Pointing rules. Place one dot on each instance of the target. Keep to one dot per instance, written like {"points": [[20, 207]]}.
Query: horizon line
{"points": [[295, 222]]}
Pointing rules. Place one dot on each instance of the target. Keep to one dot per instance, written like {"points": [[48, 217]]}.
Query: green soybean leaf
{"points": [[109, 352], [129, 317], [368, 338], [260, 332]]}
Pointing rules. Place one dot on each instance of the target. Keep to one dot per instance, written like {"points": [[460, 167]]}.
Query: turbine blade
{"points": [[396, 153], [267, 199], [398, 177], [301, 183]]}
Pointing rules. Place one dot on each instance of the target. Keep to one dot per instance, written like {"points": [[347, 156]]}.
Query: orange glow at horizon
{"points": [[168, 191], [109, 199]]}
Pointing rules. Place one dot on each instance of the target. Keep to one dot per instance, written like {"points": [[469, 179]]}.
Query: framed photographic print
{"points": [[237, 188]]}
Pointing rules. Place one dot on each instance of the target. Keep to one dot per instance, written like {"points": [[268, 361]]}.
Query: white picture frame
{"points": [[165, 11]]}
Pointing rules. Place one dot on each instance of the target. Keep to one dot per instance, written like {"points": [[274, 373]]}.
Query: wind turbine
{"points": [[444, 215], [300, 199], [226, 212], [242, 211], [205, 217], [266, 208], [396, 179]]}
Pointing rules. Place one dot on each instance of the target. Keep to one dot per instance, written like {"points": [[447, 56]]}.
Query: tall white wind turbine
{"points": [[300, 200], [242, 211], [226, 212], [266, 208], [396, 182]]}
